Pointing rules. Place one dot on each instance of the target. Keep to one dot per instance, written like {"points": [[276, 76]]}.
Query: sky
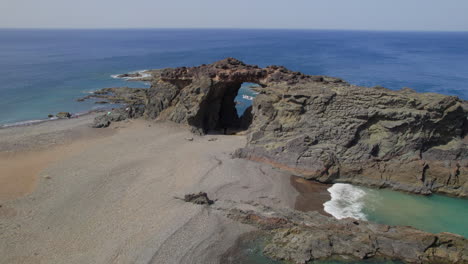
{"points": [[428, 15]]}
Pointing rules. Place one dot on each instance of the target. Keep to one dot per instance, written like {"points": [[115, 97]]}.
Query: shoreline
{"points": [[144, 75], [125, 177]]}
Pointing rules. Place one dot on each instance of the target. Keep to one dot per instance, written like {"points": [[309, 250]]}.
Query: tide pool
{"points": [[435, 213]]}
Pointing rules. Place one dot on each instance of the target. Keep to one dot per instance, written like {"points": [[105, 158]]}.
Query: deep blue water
{"points": [[44, 71]]}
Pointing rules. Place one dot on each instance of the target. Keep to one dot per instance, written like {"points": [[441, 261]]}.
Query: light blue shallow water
{"points": [[44, 71], [435, 213]]}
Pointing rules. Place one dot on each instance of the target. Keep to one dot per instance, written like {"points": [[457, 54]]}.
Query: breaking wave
{"points": [[143, 73], [346, 201]]}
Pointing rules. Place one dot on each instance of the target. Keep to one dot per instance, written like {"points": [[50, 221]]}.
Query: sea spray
{"points": [[346, 201]]}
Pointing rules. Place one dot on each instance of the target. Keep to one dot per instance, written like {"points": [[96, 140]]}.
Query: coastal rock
{"points": [[323, 128], [129, 75], [118, 95], [63, 115], [133, 100], [116, 115], [300, 237]]}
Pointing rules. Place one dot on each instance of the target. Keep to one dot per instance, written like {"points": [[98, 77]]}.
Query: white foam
{"points": [[143, 74], [346, 201]]}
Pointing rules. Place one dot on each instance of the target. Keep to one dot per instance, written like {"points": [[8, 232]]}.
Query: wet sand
{"points": [[82, 195], [312, 195]]}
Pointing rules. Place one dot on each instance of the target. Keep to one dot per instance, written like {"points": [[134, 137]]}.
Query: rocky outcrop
{"points": [[319, 127], [62, 115], [301, 237], [118, 95], [324, 128], [133, 100], [117, 115]]}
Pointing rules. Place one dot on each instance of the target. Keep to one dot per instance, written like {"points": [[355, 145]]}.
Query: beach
{"points": [[73, 194]]}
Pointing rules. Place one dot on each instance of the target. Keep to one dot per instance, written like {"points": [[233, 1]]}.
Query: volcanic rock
{"points": [[300, 237], [323, 128]]}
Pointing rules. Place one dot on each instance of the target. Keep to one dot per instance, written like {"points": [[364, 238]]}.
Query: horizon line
{"points": [[227, 28]]}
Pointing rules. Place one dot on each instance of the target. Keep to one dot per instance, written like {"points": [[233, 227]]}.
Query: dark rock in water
{"points": [[324, 128], [118, 95], [63, 115], [50, 115], [198, 198], [129, 75], [300, 237], [133, 98]]}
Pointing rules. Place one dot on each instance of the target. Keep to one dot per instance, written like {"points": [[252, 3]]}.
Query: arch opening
{"points": [[227, 109]]}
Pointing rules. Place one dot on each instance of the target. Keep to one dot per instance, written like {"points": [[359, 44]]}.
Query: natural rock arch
{"points": [[323, 128]]}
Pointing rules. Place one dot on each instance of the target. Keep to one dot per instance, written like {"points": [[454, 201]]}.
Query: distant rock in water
{"points": [[129, 75], [324, 128], [63, 115]]}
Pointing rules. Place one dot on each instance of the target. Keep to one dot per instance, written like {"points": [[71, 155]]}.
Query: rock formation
{"points": [[300, 237], [323, 128]]}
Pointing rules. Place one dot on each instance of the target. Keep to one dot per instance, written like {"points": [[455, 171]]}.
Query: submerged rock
{"points": [[324, 128]]}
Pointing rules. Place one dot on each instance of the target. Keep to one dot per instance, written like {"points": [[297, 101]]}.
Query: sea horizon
{"points": [[237, 28]]}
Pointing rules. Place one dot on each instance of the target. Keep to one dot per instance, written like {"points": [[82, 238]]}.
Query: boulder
{"points": [[198, 198], [63, 115]]}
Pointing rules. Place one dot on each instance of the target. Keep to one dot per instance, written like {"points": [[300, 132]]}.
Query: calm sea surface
{"points": [[44, 71]]}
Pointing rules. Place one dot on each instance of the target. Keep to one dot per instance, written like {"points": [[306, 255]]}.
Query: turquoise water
{"points": [[435, 213]]}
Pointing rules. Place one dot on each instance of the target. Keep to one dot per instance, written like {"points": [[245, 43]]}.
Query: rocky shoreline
{"points": [[301, 237], [318, 127]]}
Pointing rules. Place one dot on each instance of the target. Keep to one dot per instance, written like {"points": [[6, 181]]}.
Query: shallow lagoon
{"points": [[435, 213]]}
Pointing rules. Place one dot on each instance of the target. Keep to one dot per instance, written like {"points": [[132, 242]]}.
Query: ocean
{"points": [[44, 71]]}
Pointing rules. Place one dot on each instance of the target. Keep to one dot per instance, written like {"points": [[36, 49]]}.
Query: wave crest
{"points": [[346, 201]]}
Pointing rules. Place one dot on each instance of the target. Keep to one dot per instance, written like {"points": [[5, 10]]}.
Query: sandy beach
{"points": [[73, 194]]}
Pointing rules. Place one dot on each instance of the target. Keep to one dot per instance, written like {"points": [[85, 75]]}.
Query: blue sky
{"points": [[439, 15]]}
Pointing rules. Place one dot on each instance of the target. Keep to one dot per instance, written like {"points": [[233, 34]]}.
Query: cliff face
{"points": [[323, 128]]}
